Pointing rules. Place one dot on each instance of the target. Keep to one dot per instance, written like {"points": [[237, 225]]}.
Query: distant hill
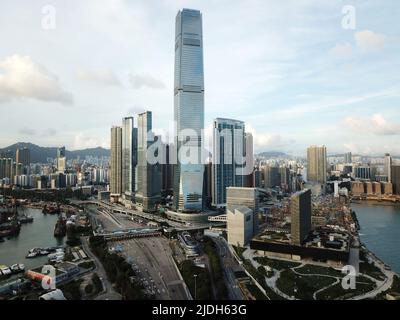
{"points": [[40, 154], [271, 154]]}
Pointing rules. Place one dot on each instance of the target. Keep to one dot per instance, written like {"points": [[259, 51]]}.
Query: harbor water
{"points": [[380, 230], [39, 233]]}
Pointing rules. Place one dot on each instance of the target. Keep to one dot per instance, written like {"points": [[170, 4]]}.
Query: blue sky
{"points": [[287, 68]]}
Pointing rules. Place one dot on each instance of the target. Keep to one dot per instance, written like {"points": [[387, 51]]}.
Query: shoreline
{"points": [[362, 243]]}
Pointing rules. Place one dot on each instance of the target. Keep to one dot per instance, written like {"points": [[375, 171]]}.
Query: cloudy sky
{"points": [[299, 72]]}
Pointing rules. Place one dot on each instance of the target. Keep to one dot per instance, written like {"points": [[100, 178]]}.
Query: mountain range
{"points": [[40, 154]]}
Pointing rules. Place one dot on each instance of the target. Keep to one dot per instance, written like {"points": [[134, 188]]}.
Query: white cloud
{"points": [[342, 50], [145, 80], [369, 41], [376, 124], [105, 77], [20, 77], [83, 140]]}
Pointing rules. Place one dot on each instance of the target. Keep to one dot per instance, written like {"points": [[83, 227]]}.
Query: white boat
{"points": [[18, 267], [31, 255], [4, 270]]}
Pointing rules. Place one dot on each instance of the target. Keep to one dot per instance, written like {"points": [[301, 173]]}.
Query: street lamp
{"points": [[195, 287]]}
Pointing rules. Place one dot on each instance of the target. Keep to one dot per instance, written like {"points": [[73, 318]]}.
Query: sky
{"points": [[298, 72]]}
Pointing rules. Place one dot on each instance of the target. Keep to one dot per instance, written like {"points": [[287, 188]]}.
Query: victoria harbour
{"points": [[380, 225]]}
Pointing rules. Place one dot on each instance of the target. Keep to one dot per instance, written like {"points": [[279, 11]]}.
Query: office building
{"points": [[167, 171], [148, 193], [116, 161], [129, 157], [248, 197], [228, 154], [316, 164], [189, 110], [23, 155], [300, 210], [61, 160], [239, 225]]}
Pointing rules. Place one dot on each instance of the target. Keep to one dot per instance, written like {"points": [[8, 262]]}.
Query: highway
{"points": [[179, 226], [229, 266]]}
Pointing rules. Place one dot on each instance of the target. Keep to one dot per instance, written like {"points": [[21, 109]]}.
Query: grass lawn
{"points": [[371, 270], [337, 291], [301, 287], [275, 263], [313, 269]]}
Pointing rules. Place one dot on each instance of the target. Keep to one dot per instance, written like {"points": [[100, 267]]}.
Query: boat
{"points": [[4, 270], [56, 257], [9, 229], [17, 268], [60, 228], [51, 209], [31, 255], [25, 219]]}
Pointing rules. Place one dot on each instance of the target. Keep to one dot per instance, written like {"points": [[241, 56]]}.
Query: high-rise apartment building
{"points": [[116, 161], [148, 174], [387, 167], [348, 157], [6, 168], [129, 157], [189, 110], [300, 210], [272, 176], [61, 159], [228, 154], [316, 164], [23, 155]]}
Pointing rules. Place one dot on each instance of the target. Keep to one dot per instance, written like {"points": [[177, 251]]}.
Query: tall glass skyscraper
{"points": [[228, 151], [148, 175], [189, 109]]}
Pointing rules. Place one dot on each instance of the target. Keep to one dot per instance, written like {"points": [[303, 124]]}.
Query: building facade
{"points": [[248, 197], [129, 157], [316, 164], [300, 210], [148, 175], [239, 225], [228, 151], [61, 159], [116, 161], [189, 110], [23, 155]]}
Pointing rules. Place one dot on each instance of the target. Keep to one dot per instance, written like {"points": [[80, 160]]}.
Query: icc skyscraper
{"points": [[189, 110]]}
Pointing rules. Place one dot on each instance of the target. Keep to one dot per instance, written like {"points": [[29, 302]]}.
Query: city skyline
{"points": [[299, 93]]}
